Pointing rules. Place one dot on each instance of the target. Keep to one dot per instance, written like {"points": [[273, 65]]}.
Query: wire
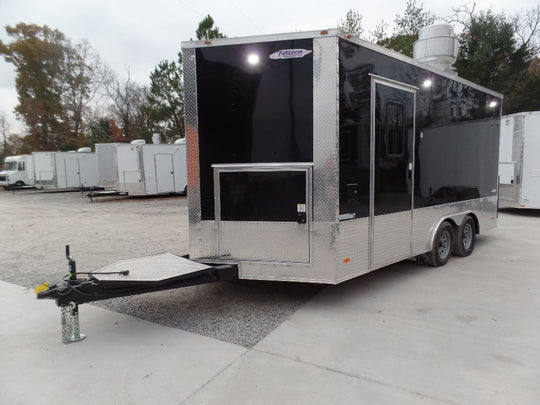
{"points": [[249, 19]]}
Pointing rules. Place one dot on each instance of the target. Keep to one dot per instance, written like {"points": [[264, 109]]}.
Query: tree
{"points": [[407, 27], [206, 29], [526, 96], [55, 82], [38, 54], [495, 54], [165, 100], [352, 24], [127, 108], [4, 128], [85, 76]]}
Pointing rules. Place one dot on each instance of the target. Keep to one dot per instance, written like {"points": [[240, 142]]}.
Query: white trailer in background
{"points": [[519, 161], [76, 169], [44, 169], [66, 170], [18, 171], [107, 168], [143, 169]]}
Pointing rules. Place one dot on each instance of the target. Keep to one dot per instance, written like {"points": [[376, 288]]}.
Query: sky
{"points": [[136, 35]]}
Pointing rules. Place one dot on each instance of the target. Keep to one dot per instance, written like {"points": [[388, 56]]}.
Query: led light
{"points": [[253, 59], [492, 104], [427, 84]]}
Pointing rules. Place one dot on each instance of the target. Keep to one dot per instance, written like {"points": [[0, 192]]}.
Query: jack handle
{"points": [[72, 265]]}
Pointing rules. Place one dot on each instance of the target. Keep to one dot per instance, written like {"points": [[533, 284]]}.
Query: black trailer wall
{"points": [[252, 112], [454, 159]]}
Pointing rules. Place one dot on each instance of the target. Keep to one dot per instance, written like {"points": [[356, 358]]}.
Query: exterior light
{"points": [[253, 59], [427, 84], [492, 104]]}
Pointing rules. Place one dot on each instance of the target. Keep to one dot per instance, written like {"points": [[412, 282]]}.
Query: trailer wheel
{"points": [[19, 184], [443, 244], [465, 238]]}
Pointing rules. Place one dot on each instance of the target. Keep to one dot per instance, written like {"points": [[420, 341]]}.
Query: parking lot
{"points": [[465, 333]]}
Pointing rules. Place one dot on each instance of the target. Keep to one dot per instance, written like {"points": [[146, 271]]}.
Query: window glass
{"points": [[395, 129]]}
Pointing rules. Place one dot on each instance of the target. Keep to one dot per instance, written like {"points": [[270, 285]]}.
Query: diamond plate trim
{"points": [[192, 144], [325, 130]]}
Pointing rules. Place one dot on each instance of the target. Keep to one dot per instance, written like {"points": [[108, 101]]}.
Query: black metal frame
{"points": [[79, 291]]}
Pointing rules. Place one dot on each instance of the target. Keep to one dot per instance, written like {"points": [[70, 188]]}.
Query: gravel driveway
{"points": [[37, 225]]}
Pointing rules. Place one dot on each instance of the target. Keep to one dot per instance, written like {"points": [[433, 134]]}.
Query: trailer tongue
{"points": [[127, 277]]}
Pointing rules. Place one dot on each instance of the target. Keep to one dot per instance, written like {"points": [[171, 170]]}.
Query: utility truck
{"points": [[18, 171]]}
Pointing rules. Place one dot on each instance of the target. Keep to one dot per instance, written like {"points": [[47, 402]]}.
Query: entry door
{"points": [[263, 212], [392, 168], [164, 172], [73, 174]]}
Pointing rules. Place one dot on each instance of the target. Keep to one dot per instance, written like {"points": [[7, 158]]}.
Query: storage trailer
{"points": [[519, 163], [44, 169], [145, 169], [18, 171], [139, 169], [107, 167], [66, 170], [317, 157]]}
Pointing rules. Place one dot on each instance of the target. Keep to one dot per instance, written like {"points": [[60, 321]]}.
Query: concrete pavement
{"points": [[465, 333]]}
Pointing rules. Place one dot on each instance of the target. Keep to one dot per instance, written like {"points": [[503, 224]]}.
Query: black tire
{"points": [[19, 184], [465, 238], [443, 244]]}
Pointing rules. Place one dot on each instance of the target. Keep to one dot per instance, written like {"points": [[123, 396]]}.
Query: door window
{"points": [[262, 195]]}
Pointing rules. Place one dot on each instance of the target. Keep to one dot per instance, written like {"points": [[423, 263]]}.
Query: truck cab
{"points": [[18, 171]]}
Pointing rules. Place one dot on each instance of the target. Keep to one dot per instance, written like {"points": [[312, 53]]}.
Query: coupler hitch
{"points": [[69, 311], [127, 277]]}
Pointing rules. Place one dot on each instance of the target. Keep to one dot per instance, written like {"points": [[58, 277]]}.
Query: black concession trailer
{"points": [[318, 157]]}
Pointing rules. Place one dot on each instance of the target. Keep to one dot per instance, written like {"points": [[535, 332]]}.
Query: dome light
{"points": [[253, 59]]}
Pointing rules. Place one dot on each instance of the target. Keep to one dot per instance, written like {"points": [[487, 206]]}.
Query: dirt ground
{"points": [[37, 225]]}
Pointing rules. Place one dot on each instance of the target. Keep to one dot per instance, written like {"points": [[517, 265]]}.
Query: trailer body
{"points": [[519, 165], [65, 170], [76, 169], [317, 157], [18, 171], [148, 169], [44, 169], [107, 167]]}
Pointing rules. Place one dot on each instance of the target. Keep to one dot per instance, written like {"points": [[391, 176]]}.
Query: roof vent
{"points": [[156, 138], [437, 46], [138, 142]]}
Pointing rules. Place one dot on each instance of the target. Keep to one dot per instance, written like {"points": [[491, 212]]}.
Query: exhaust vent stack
{"points": [[437, 46]]}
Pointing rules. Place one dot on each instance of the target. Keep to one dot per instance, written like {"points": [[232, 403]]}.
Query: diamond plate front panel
{"points": [[321, 270], [352, 258], [266, 241], [391, 238]]}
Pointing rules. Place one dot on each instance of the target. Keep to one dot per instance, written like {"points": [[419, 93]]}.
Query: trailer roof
{"points": [[332, 33]]}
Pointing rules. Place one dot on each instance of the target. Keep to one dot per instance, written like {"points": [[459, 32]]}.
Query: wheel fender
{"points": [[455, 219]]}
